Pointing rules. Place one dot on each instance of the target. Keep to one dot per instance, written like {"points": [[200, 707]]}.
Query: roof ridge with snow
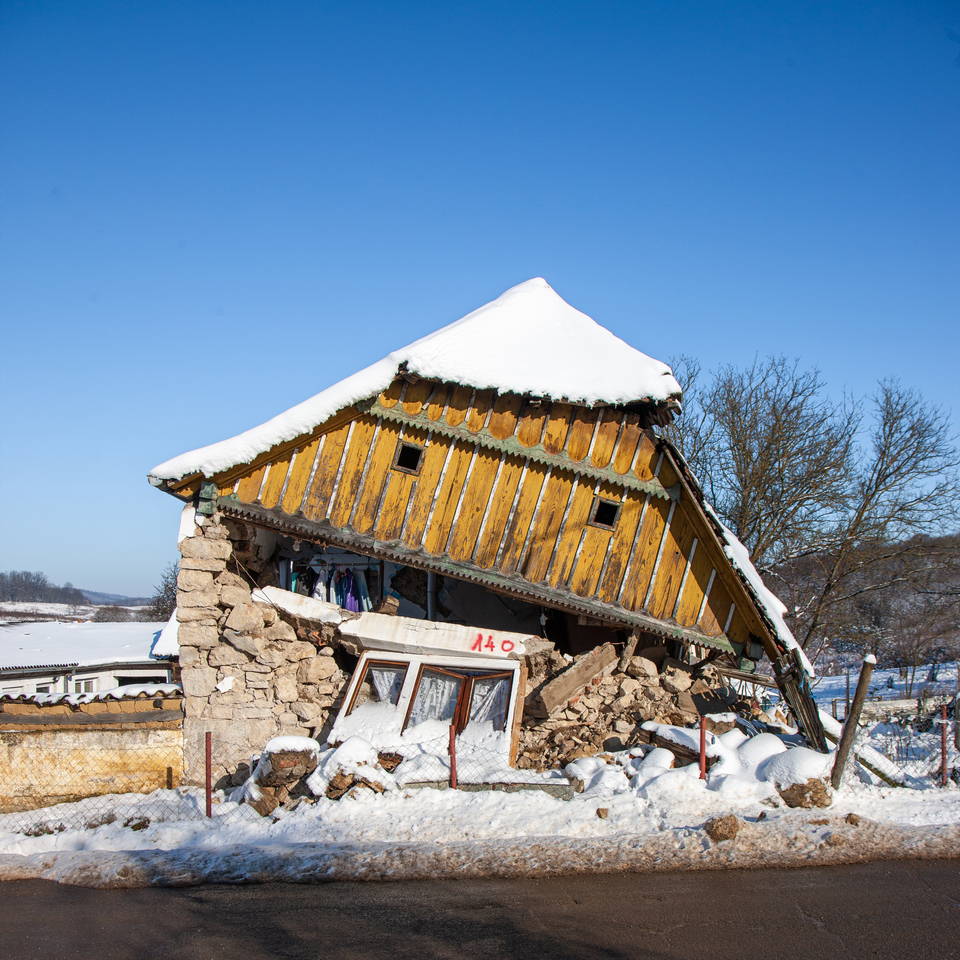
{"points": [[527, 341]]}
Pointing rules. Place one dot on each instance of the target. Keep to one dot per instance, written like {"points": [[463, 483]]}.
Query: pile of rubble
{"points": [[287, 773], [600, 700]]}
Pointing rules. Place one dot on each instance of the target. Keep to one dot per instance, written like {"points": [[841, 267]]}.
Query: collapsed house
{"points": [[481, 530]]}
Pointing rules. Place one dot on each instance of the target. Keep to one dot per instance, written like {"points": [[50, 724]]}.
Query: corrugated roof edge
{"points": [[132, 692]]}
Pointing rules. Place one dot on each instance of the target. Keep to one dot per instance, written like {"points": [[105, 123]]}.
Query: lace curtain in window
{"points": [[387, 682], [436, 697], [490, 701]]}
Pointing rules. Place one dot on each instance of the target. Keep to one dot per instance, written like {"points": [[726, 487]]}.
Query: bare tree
{"points": [[773, 454], [164, 600], [692, 432], [923, 630], [905, 485], [835, 501], [111, 614]]}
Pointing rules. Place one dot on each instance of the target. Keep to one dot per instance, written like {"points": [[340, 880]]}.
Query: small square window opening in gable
{"points": [[408, 458], [604, 513]]}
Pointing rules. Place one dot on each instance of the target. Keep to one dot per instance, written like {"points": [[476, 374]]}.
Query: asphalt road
{"points": [[907, 910]]}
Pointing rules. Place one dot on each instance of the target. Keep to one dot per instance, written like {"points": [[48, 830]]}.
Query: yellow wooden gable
{"points": [[577, 508]]}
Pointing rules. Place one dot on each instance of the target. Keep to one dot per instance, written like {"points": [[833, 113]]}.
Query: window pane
{"points": [[436, 697], [387, 682], [490, 701], [381, 684]]}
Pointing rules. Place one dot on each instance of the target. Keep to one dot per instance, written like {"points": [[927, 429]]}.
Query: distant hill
{"points": [[115, 599]]}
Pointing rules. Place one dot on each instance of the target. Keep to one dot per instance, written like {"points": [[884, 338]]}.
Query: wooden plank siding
{"points": [[501, 504], [508, 485]]}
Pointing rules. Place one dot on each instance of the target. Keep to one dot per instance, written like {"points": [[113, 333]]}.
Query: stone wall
{"points": [[247, 674]]}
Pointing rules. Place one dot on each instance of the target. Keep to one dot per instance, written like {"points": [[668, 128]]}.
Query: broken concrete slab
{"points": [[378, 631]]}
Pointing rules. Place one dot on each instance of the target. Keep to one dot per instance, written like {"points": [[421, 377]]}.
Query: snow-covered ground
{"points": [[16, 611], [886, 684], [635, 813]]}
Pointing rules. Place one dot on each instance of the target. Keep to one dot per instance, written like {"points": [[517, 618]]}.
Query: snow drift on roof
{"points": [[83, 644], [529, 340], [167, 643]]}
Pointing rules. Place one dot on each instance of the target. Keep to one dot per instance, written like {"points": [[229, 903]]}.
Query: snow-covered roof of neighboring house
{"points": [[527, 341], [58, 644]]}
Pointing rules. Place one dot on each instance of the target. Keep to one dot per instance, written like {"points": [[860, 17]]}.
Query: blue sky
{"points": [[211, 211]]}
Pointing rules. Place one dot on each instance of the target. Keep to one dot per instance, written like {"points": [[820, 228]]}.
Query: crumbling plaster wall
{"points": [[247, 675], [40, 767]]}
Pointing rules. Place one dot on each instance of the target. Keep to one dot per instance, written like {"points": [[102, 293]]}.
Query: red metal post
{"points": [[944, 773], [453, 757], [209, 777], [703, 748]]}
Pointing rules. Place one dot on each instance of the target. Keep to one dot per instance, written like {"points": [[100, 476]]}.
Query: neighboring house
{"points": [[55, 657], [501, 474]]}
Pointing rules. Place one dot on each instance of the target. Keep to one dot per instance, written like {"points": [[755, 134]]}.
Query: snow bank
{"points": [[797, 766], [167, 643], [655, 815], [292, 744], [528, 340], [790, 843]]}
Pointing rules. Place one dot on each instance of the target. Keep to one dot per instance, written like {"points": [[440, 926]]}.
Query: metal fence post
{"points": [[209, 777], [453, 757], [956, 711], [944, 773], [703, 748]]}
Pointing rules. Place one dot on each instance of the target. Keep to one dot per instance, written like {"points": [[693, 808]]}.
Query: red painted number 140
{"points": [[479, 645]]}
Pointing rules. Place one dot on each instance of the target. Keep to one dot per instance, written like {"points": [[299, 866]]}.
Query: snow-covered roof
{"points": [[767, 600], [58, 644], [527, 341]]}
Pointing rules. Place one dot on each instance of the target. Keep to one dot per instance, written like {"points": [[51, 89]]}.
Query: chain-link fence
{"points": [[137, 784], [451, 759], [130, 781], [133, 786], [913, 747]]}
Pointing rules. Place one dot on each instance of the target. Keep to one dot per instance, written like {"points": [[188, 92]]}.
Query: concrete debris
{"points": [[579, 709]]}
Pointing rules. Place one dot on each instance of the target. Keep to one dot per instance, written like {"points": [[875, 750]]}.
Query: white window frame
{"points": [[414, 663]]}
